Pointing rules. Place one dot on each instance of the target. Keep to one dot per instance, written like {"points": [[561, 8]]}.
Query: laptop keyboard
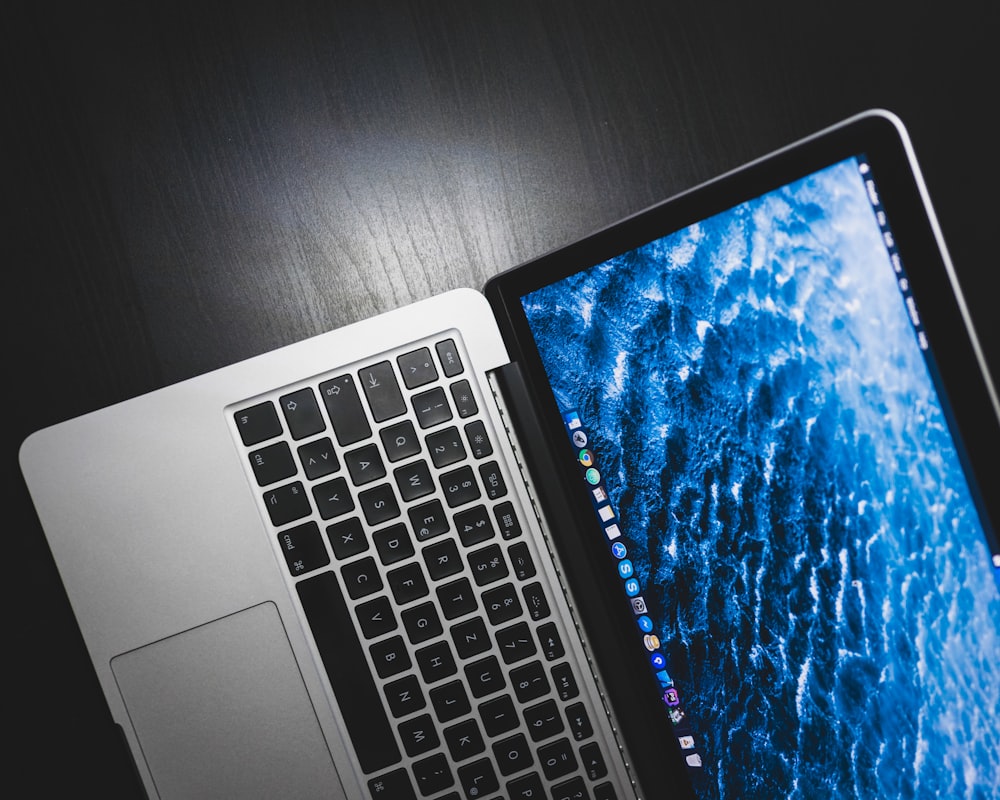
{"points": [[422, 593]]}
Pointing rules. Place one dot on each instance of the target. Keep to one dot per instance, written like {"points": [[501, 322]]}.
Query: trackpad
{"points": [[221, 711]]}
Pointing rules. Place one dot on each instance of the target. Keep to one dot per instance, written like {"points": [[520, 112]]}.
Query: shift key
{"points": [[343, 404]]}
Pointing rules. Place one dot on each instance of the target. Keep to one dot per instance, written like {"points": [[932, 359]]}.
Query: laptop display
{"points": [[754, 405]]}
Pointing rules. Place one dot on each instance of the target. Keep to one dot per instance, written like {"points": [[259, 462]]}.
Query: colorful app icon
{"points": [[645, 623], [693, 760], [593, 476], [639, 605], [600, 495], [651, 641], [625, 568], [613, 531], [579, 438], [606, 513], [631, 587], [618, 550], [658, 661], [586, 458], [573, 420], [671, 697], [664, 678], [686, 742], [676, 715]]}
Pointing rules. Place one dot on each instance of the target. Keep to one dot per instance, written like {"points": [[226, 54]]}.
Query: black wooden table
{"points": [[193, 184]]}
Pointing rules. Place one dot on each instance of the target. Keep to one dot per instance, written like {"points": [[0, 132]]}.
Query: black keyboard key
{"points": [[422, 623], [343, 404], [464, 400], [400, 441], [433, 774], [479, 440], [485, 677], [565, 683], [474, 526], [543, 720], [394, 785], [378, 504], [457, 598], [390, 656], [442, 559], [393, 544], [450, 701], [287, 503], [445, 447], [413, 480], [498, 715], [302, 413], [488, 565], [579, 722], [459, 486], [529, 681], [548, 638], [258, 423], [303, 548], [272, 464], [510, 527], [535, 602], [573, 789], [428, 520], [361, 578], [464, 740], [431, 407], [451, 361], [347, 538], [528, 787], [318, 458], [382, 391], [436, 662], [513, 754], [407, 583], [557, 759], [478, 779], [492, 480], [333, 498], [417, 368], [376, 617], [516, 643], [470, 637], [502, 604], [419, 735], [605, 791], [364, 464], [341, 653], [593, 761], [520, 561], [404, 696]]}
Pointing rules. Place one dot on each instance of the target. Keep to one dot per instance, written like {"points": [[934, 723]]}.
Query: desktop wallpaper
{"points": [[771, 440]]}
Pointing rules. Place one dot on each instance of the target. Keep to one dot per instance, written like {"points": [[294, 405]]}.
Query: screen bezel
{"points": [[953, 360]]}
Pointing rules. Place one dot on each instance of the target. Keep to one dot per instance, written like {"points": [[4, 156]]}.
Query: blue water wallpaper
{"points": [[767, 431]]}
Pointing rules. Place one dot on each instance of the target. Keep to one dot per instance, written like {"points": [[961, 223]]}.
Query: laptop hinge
{"points": [[511, 394]]}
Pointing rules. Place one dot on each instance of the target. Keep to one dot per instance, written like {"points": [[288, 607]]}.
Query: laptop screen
{"points": [[753, 403]]}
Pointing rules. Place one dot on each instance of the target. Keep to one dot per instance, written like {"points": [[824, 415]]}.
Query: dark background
{"points": [[189, 185]]}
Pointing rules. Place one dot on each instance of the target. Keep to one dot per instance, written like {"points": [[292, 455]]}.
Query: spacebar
{"points": [[357, 696]]}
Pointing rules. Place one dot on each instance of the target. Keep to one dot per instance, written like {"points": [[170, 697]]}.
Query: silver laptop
{"points": [[699, 506]]}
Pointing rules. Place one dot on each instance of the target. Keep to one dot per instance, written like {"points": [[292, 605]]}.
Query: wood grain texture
{"points": [[192, 184]]}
